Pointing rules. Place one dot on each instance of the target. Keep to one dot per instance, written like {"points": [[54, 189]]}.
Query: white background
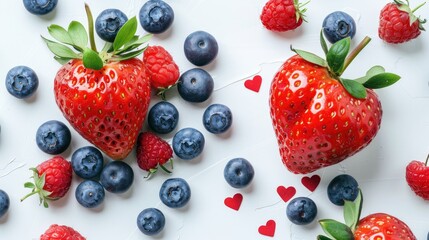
{"points": [[245, 49]]}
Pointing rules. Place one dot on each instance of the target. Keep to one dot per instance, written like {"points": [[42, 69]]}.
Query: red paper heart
{"points": [[234, 202], [268, 229], [254, 84], [311, 183], [286, 193]]}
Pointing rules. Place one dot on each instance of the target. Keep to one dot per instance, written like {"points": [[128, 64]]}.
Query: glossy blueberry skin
{"points": [[163, 117], [87, 162], [4, 203], [338, 25], [217, 118], [195, 85], [22, 82], [117, 177], [151, 221], [175, 192], [201, 48], [40, 7], [301, 210], [156, 16], [109, 22], [89, 194], [342, 187], [188, 143], [238, 173], [53, 137]]}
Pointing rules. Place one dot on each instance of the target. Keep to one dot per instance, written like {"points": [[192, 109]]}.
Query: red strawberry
{"points": [[153, 151], [104, 95], [52, 179], [417, 176], [282, 15], [162, 69], [319, 117], [61, 232], [398, 23]]}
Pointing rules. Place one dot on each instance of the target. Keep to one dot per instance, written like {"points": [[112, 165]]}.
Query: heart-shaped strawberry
{"points": [[319, 117], [104, 95], [234, 202]]}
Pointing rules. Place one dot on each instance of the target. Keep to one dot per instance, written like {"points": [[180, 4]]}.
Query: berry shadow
{"points": [[290, 34], [164, 35], [4, 218], [414, 46]]}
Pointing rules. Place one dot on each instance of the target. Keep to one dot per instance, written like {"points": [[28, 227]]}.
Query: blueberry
{"points": [[217, 118], [21, 82], [301, 210], [89, 193], [342, 187], [200, 48], [151, 221], [117, 177], [109, 22], [40, 7], [195, 85], [163, 117], [4, 203], [156, 16], [87, 162], [53, 137], [175, 192], [238, 172], [338, 25], [188, 143]]}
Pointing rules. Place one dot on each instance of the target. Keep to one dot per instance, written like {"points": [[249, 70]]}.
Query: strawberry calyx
{"points": [[72, 43], [37, 188], [405, 6], [152, 171], [338, 57], [343, 231]]}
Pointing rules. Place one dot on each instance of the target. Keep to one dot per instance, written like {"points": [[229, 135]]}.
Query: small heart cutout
{"points": [[268, 229], [234, 202], [254, 84], [311, 183], [286, 193]]}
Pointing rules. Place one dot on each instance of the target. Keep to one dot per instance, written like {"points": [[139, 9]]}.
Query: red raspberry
{"points": [[398, 23], [153, 151], [282, 15], [61, 232], [52, 179], [162, 69], [417, 177]]}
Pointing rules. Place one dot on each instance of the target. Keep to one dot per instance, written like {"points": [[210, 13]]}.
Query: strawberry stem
{"points": [[90, 27], [354, 53]]}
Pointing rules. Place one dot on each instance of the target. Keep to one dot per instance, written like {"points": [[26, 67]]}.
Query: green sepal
{"points": [[135, 42], [337, 54], [60, 50], [128, 55], [60, 34], [29, 185], [323, 43], [352, 211], [336, 230], [62, 60], [381, 80], [321, 237], [356, 89], [91, 59], [37, 188], [125, 34], [310, 57], [371, 72], [78, 34]]}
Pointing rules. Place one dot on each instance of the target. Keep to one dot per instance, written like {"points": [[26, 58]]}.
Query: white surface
{"points": [[246, 49]]}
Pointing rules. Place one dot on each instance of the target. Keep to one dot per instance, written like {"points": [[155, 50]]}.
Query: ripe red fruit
{"points": [[398, 23], [282, 15], [153, 152], [52, 180], [61, 232], [382, 226], [417, 177]]}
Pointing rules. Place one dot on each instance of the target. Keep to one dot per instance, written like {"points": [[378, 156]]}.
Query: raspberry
{"points": [[282, 15], [61, 232], [162, 69]]}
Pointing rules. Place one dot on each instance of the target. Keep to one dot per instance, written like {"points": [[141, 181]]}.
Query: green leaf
{"points": [[336, 230], [62, 60], [371, 72], [125, 34], [323, 43], [337, 54], [60, 50], [129, 55], [135, 43], [321, 237], [78, 34], [60, 34], [355, 89], [311, 57], [381, 80], [352, 210], [91, 59], [29, 185]]}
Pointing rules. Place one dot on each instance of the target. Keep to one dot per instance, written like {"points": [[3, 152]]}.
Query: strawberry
{"points": [[283, 15], [52, 180], [153, 152], [319, 117], [104, 95], [381, 226], [162, 69], [398, 23], [417, 177], [61, 232]]}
